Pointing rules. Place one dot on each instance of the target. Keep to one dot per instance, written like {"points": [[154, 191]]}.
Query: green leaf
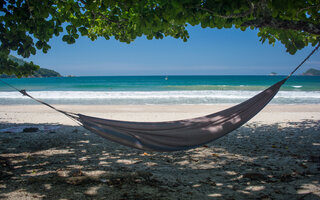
{"points": [[242, 28], [39, 45], [66, 38]]}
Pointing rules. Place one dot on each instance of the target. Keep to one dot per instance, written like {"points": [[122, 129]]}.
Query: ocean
{"points": [[122, 90]]}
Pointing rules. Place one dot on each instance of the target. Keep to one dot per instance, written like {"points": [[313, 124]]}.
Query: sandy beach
{"points": [[273, 156]]}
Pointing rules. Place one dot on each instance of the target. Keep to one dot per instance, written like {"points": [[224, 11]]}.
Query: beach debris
{"points": [[30, 130], [76, 173], [194, 160], [265, 197], [103, 180], [208, 181], [255, 176], [113, 179], [286, 177], [78, 180], [25, 128]]}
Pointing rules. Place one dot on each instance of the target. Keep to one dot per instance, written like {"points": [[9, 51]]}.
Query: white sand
{"points": [[274, 156], [43, 114]]}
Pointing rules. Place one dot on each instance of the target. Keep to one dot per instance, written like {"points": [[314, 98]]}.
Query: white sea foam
{"points": [[130, 94], [156, 97], [297, 86]]}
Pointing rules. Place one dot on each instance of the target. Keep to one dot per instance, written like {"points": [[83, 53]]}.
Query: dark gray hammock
{"points": [[176, 135]]}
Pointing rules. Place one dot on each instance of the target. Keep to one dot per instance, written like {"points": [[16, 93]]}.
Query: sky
{"points": [[207, 52]]}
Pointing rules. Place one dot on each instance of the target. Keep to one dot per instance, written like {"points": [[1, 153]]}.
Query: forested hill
{"points": [[42, 72], [312, 72]]}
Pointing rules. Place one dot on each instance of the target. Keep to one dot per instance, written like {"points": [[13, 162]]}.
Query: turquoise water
{"points": [[158, 83], [159, 89]]}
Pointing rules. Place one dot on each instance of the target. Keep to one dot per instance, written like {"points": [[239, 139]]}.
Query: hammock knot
{"points": [[23, 92]]}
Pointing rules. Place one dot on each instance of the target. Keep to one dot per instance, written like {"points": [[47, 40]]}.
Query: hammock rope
{"points": [[71, 115], [175, 135], [307, 58]]}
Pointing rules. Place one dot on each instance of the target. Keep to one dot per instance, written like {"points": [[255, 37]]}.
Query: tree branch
{"points": [[29, 9], [307, 8], [107, 19], [244, 14], [285, 24], [238, 15], [83, 2]]}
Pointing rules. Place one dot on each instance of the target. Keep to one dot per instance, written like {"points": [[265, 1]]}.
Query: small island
{"points": [[312, 72], [40, 73], [273, 74]]}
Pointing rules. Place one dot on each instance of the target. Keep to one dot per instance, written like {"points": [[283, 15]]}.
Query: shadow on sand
{"points": [[254, 162]]}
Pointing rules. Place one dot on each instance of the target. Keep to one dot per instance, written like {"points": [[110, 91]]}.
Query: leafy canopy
{"points": [[28, 25]]}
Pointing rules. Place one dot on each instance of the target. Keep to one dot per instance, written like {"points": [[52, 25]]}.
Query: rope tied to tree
{"points": [[314, 50], [71, 115]]}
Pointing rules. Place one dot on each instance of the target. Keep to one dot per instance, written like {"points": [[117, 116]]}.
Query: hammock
{"points": [[176, 135]]}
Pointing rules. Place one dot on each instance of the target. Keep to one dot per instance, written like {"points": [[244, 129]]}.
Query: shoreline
{"points": [[273, 113]]}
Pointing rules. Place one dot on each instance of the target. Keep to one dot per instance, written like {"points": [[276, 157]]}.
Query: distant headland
{"points": [[312, 72], [40, 73], [309, 72]]}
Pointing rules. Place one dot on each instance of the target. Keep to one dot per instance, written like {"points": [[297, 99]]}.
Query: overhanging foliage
{"points": [[28, 25]]}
